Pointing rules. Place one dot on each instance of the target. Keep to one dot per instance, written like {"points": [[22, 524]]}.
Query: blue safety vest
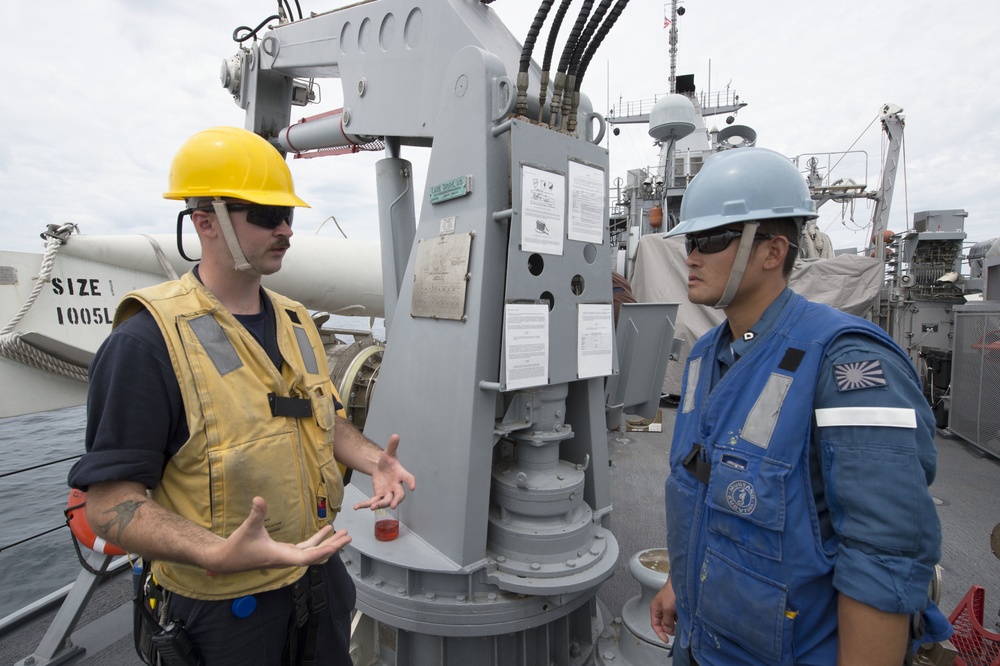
{"points": [[752, 575]]}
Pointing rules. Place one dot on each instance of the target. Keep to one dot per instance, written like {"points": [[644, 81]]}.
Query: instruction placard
{"points": [[586, 203], [526, 345], [543, 211], [594, 355]]}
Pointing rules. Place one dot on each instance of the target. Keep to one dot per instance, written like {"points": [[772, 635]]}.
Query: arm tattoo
{"points": [[123, 514]]}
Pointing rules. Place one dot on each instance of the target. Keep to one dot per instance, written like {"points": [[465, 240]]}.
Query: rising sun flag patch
{"points": [[860, 375]]}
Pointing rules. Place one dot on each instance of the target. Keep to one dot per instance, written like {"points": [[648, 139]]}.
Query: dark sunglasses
{"points": [[716, 241], [269, 217]]}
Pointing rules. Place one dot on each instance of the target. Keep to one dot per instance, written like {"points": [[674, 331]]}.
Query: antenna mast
{"points": [[673, 46]]}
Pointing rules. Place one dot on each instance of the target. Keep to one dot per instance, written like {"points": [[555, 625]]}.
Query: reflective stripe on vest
{"points": [[763, 418], [215, 342], [693, 371]]}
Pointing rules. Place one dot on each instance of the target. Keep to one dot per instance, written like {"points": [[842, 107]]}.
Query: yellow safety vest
{"points": [[253, 430]]}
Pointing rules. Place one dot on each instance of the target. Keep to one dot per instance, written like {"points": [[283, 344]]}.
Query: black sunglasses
{"points": [[716, 241], [269, 217]]}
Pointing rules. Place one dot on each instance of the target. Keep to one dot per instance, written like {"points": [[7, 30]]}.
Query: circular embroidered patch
{"points": [[741, 497]]}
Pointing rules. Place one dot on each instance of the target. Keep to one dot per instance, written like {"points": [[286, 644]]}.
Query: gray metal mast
{"points": [[673, 46], [506, 541]]}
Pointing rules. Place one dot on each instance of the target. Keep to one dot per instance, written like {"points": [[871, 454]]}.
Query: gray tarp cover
{"points": [[848, 282]]}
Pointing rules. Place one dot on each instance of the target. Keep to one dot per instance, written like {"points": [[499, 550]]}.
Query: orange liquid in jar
{"points": [[386, 530]]}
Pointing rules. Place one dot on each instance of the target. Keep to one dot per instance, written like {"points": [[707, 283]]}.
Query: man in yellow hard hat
{"points": [[211, 400]]}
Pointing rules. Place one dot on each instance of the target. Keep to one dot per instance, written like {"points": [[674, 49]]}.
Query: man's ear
{"points": [[203, 224], [777, 250]]}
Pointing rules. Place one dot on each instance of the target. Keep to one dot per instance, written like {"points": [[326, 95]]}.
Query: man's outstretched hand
{"points": [[251, 547], [389, 480]]}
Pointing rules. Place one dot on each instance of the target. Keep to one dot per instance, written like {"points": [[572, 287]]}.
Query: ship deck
{"points": [[967, 491]]}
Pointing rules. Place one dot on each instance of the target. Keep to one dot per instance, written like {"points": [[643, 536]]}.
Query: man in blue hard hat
{"points": [[799, 522]]}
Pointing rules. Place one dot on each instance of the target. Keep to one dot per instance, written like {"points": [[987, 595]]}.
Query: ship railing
{"points": [[72, 599], [26, 613], [710, 103], [47, 530]]}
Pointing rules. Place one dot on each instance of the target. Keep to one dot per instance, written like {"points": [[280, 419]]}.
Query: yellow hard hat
{"points": [[231, 162]]}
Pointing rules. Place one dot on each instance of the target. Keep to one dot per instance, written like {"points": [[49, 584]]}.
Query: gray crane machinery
{"points": [[499, 326]]}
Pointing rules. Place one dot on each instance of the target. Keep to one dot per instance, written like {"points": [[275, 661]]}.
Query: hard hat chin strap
{"points": [[739, 264], [240, 262]]}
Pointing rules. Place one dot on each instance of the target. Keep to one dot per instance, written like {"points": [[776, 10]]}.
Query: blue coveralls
{"points": [[815, 449]]}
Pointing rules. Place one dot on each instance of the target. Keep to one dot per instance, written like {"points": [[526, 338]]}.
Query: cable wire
{"points": [[41, 465], [252, 32]]}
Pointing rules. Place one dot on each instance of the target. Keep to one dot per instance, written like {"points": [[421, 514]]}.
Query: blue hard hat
{"points": [[744, 184]]}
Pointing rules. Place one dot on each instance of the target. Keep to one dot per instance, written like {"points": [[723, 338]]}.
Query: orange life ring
{"points": [[76, 518]]}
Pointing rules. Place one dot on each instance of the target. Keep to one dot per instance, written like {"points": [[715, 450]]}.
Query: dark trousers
{"points": [[260, 639]]}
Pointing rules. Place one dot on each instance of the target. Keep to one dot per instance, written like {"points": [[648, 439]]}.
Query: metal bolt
{"points": [[28, 661], [501, 559], [535, 566], [361, 87], [460, 598], [345, 117], [571, 563], [401, 591], [492, 596], [609, 656], [430, 596], [378, 582]]}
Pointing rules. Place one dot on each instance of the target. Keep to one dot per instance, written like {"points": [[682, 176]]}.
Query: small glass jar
{"points": [[386, 524]]}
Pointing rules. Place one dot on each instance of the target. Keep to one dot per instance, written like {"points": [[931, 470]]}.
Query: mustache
{"points": [[283, 244]]}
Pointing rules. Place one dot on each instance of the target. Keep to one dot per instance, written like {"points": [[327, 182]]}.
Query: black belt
{"points": [[298, 408]]}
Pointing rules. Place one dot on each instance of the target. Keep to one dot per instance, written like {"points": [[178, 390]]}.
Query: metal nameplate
{"points": [[441, 276], [451, 189], [8, 275]]}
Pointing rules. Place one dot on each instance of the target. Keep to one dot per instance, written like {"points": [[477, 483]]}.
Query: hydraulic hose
{"points": [[592, 47], [529, 46], [571, 98], [550, 45], [562, 74]]}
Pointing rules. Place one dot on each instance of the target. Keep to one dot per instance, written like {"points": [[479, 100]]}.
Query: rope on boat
{"points": [[168, 270], [11, 345]]}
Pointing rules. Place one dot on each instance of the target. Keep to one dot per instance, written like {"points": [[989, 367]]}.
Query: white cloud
{"points": [[105, 91]]}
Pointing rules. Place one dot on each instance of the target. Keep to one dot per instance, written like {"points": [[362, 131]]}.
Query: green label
{"points": [[451, 189]]}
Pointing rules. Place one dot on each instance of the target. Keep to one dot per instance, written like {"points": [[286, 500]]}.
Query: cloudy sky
{"points": [[99, 94]]}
